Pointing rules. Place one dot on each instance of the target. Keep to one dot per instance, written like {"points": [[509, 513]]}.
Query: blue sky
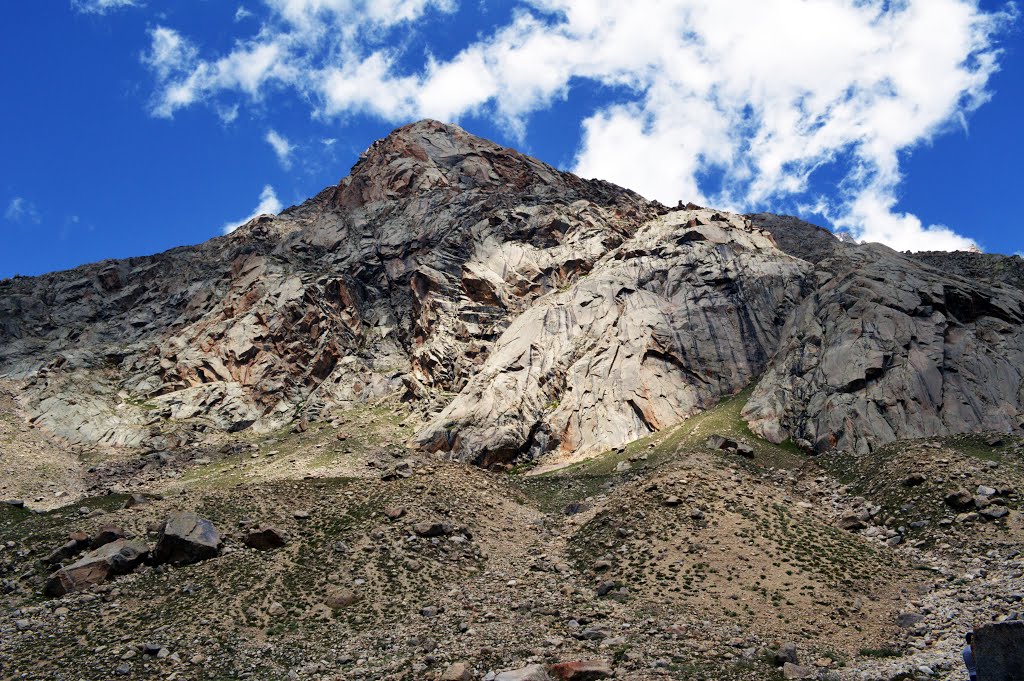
{"points": [[133, 126]]}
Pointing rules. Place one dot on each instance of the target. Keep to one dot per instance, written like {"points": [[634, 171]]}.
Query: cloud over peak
{"points": [[268, 204], [761, 95]]}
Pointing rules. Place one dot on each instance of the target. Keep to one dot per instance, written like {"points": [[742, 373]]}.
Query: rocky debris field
{"points": [[667, 558]]}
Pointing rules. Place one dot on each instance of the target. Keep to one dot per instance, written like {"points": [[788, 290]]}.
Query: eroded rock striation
{"points": [[527, 311]]}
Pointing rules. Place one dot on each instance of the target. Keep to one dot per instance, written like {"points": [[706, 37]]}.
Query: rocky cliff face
{"points": [[528, 312]]}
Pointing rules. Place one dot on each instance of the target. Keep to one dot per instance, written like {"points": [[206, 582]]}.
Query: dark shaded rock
{"points": [[186, 538], [852, 522], [266, 538], [94, 568], [909, 620], [994, 512], [914, 479], [77, 542], [999, 651], [432, 529], [716, 442], [106, 534], [585, 670], [786, 653], [959, 500]]}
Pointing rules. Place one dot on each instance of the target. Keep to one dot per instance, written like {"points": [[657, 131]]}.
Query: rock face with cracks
{"points": [[527, 312]]}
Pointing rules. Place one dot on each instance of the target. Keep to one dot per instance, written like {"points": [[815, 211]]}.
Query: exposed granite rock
{"points": [[686, 311], [186, 538], [886, 349], [567, 315], [94, 568]]}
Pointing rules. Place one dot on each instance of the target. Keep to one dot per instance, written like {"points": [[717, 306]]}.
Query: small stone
{"points": [[459, 671], [587, 670], [794, 671]]}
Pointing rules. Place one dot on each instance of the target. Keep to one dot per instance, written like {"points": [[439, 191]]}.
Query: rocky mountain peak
{"points": [[429, 155]]}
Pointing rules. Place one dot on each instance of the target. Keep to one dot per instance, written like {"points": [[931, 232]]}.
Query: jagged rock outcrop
{"points": [[564, 315], [887, 349], [687, 310]]}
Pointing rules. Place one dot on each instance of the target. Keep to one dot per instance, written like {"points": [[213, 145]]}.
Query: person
{"points": [[968, 654]]}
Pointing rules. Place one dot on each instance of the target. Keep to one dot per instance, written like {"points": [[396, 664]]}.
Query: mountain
{"points": [[463, 416], [547, 317]]}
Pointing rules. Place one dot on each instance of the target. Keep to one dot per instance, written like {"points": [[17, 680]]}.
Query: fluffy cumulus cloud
{"points": [[102, 6], [268, 204], [760, 95]]}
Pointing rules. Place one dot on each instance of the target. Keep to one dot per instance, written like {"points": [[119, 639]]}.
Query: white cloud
{"points": [[242, 13], [761, 94], [268, 204], [21, 210], [282, 147], [102, 6]]}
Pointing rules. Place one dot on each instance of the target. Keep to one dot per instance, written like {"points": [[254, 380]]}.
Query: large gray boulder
{"points": [[999, 651], [115, 558], [186, 538]]}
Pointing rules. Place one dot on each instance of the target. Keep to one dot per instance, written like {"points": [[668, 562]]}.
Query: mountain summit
{"points": [[528, 313], [464, 416]]}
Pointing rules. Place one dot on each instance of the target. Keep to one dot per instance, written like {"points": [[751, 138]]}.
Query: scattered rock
{"points": [[339, 599], [534, 672], [786, 653], [186, 538], [432, 529], [266, 538], [106, 534], [960, 499], [116, 558], [794, 671], [459, 671], [587, 670]]}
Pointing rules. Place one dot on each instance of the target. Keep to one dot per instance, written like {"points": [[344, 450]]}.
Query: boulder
{"points": [[586, 670], [994, 512], [266, 538], [432, 529], [339, 599], [718, 442], [999, 651], [960, 499], [795, 671], [852, 522], [786, 653], [116, 558], [533, 672], [394, 512], [76, 543], [909, 620], [106, 534], [745, 450], [186, 538], [459, 671]]}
